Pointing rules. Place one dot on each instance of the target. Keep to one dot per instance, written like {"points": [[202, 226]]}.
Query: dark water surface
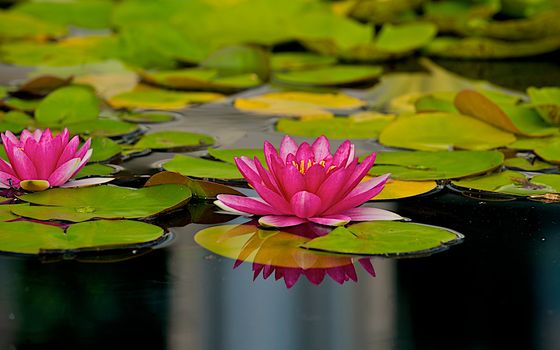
{"points": [[499, 289]]}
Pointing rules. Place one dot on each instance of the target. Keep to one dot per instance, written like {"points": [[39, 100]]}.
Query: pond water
{"points": [[497, 289]]}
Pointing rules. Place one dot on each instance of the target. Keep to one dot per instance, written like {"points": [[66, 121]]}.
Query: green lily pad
{"points": [[239, 59], [108, 202], [153, 98], [484, 48], [70, 104], [547, 102], [550, 152], [436, 102], [526, 165], [548, 148], [201, 78], [443, 131], [200, 189], [96, 170], [20, 104], [228, 155], [147, 117], [104, 149], [337, 128], [85, 14], [435, 165], [386, 238], [405, 37], [15, 121], [512, 183], [34, 238], [6, 210], [330, 75], [102, 128], [283, 61], [21, 26], [202, 168], [173, 140]]}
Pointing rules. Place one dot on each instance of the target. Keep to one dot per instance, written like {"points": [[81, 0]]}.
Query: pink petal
{"points": [[37, 134], [321, 149], [331, 220], [84, 149], [6, 167], [64, 172], [46, 136], [267, 271], [367, 265], [25, 135], [291, 276], [280, 221], [305, 204], [83, 162], [43, 155], [22, 165], [64, 136], [10, 136], [266, 176], [351, 156], [92, 181], [314, 177], [359, 195], [350, 272], [337, 274], [8, 180], [292, 181], [315, 275], [371, 214], [249, 205], [342, 154], [287, 146], [248, 170], [69, 151], [304, 153]]}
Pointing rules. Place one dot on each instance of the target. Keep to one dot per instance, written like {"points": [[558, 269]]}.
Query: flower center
{"points": [[302, 166]]}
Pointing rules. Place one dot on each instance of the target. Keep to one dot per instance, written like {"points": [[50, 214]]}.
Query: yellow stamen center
{"points": [[302, 167]]}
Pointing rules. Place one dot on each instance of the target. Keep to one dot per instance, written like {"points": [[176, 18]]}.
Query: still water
{"points": [[497, 290]]}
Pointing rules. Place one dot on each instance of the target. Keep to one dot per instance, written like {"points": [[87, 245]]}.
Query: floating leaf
{"points": [[71, 104], [201, 168], [436, 102], [386, 238], [228, 155], [443, 131], [330, 76], [148, 117], [367, 125], [15, 121], [153, 98], [201, 78], [293, 103], [108, 202], [200, 189], [6, 210], [33, 238], [21, 26], [519, 120], [102, 128], [484, 48], [398, 189], [104, 149], [405, 37], [547, 102], [173, 140], [96, 170], [19, 104], [512, 183], [43, 85], [86, 14], [283, 61], [435, 165], [239, 59], [548, 148], [527, 165]]}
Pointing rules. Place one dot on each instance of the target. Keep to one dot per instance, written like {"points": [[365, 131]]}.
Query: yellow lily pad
{"points": [[397, 189]]}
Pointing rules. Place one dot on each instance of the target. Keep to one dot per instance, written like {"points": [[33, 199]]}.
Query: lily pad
{"points": [[386, 238], [330, 75], [96, 170], [199, 188], [104, 149], [548, 148], [519, 163], [286, 61], [512, 183], [405, 37], [71, 104], [21, 26], [443, 131], [173, 140], [201, 78], [398, 189], [436, 102], [202, 168], [34, 238], [435, 165], [148, 117], [239, 59], [102, 128], [108, 202], [42, 85], [547, 102], [485, 48], [153, 98], [297, 104], [228, 155], [20, 104], [15, 121], [361, 127], [6, 210]]}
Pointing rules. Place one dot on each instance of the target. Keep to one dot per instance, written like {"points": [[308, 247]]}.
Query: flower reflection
{"points": [[278, 253]]}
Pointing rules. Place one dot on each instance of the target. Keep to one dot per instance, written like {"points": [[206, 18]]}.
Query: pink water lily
{"points": [[38, 160], [307, 183]]}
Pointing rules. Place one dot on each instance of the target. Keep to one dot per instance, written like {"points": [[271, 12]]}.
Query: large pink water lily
{"points": [[306, 183], [37, 160]]}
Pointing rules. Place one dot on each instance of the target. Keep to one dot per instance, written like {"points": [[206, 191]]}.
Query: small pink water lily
{"points": [[37, 160], [306, 183]]}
